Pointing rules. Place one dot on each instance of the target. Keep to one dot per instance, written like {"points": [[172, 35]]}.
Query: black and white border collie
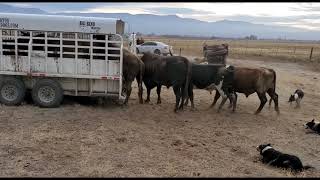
{"points": [[297, 96], [278, 159], [313, 125]]}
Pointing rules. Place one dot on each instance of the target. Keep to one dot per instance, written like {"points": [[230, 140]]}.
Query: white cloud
{"points": [[118, 10], [301, 15], [23, 5]]}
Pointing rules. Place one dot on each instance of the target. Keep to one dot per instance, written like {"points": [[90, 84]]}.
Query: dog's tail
{"points": [[308, 167]]}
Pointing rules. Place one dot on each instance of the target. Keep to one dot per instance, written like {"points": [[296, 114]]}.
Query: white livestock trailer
{"points": [[53, 56]]}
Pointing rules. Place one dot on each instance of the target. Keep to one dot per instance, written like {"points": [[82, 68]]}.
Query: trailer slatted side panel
{"points": [[69, 59]]}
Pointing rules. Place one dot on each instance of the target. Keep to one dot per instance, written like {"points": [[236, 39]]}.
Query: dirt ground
{"points": [[87, 139]]}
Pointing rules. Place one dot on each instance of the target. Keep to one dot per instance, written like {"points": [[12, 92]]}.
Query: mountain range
{"points": [[174, 25]]}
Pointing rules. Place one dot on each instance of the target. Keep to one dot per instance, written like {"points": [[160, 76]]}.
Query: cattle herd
{"points": [[183, 75]]}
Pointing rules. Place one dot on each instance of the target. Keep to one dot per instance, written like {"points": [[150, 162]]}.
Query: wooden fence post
{"points": [[311, 54], [180, 52]]}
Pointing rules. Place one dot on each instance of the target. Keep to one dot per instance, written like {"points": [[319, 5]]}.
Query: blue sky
{"points": [[302, 15]]}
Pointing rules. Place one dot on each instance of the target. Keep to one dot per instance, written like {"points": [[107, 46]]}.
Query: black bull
{"points": [[169, 71], [209, 76]]}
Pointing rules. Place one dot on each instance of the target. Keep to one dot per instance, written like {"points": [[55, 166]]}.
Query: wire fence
{"points": [[297, 51]]}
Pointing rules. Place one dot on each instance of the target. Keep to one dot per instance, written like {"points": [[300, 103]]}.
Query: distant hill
{"points": [[174, 25]]}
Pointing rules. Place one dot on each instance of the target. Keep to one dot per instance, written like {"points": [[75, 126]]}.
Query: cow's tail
{"points": [[140, 77], [188, 77], [274, 79], [142, 68]]}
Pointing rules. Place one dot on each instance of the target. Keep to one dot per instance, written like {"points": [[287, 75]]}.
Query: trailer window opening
{"points": [[99, 37], [83, 43], [38, 48], [83, 36], [68, 35], [68, 56], [53, 35], [56, 42], [83, 50], [99, 51], [99, 44], [83, 56], [23, 33], [38, 34], [68, 43], [53, 45], [38, 41], [54, 55], [68, 49], [99, 57]]}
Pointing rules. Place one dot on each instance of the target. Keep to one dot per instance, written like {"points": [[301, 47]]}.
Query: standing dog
{"points": [[297, 96], [313, 125], [278, 159]]}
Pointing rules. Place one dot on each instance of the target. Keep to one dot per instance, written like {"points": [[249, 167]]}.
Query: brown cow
{"points": [[255, 80], [133, 67]]}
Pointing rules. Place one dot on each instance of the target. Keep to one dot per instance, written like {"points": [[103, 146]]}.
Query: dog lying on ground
{"points": [[297, 96], [278, 159], [313, 125]]}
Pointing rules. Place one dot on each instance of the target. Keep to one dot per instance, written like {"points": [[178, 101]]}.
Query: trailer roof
{"points": [[61, 23]]}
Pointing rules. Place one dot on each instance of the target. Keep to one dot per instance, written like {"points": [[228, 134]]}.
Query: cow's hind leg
{"points": [[187, 101], [216, 97], [159, 92], [128, 89], [148, 95], [298, 103], [234, 103], [225, 98], [183, 96], [270, 101], [231, 102], [263, 101], [140, 91], [190, 96], [177, 92], [222, 103], [274, 96]]}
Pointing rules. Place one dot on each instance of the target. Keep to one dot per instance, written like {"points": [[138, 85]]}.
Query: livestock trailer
{"points": [[53, 56]]}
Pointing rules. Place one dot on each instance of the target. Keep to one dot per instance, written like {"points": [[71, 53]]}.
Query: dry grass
{"points": [[296, 51]]}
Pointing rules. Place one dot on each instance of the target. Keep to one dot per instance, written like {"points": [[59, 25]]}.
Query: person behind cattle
{"points": [[172, 71]]}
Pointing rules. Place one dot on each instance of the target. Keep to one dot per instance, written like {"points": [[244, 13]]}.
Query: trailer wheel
{"points": [[12, 91], [47, 93]]}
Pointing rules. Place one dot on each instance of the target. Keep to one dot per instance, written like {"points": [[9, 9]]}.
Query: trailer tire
{"points": [[47, 93], [12, 91]]}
